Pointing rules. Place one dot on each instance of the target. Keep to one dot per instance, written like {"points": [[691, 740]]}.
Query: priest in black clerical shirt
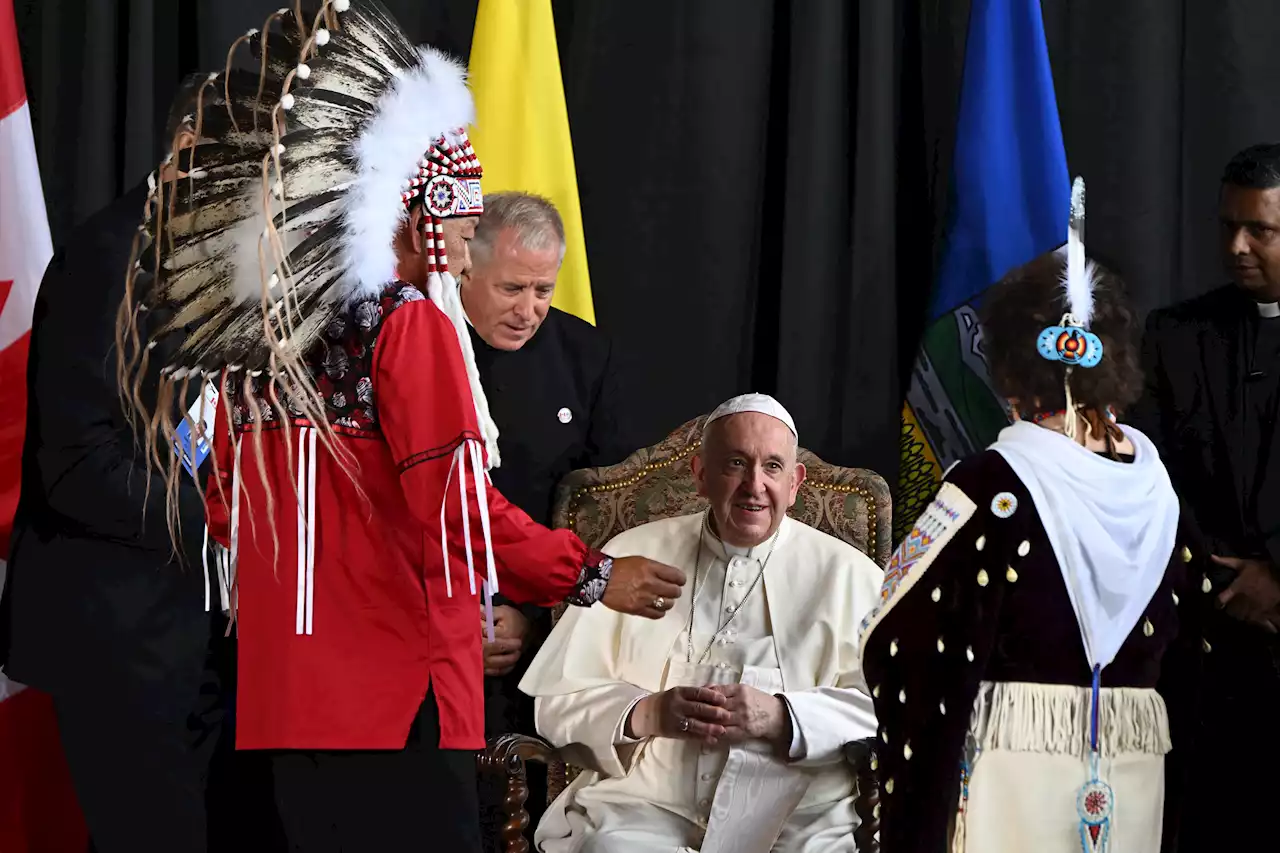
{"points": [[552, 381], [1213, 380]]}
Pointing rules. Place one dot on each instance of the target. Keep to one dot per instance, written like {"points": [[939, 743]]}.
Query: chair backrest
{"points": [[852, 504]]}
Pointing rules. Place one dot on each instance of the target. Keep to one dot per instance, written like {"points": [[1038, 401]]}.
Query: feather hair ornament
{"points": [[281, 211], [1071, 342], [1080, 277]]}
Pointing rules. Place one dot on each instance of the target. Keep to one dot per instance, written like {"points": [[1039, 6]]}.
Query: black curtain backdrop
{"points": [[764, 182]]}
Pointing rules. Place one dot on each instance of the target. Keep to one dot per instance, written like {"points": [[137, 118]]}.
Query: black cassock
{"points": [[1212, 373], [559, 405]]}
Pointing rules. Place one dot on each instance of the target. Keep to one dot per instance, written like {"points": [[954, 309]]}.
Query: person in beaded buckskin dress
{"points": [[1051, 583]]}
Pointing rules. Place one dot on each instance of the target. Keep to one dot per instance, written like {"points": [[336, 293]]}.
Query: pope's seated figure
{"points": [[720, 726]]}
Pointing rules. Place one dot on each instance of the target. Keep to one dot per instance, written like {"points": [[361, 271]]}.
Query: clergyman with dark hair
{"points": [[555, 391], [1212, 368], [129, 639]]}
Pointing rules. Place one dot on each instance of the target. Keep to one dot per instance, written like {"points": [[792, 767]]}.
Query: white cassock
{"points": [[795, 633]]}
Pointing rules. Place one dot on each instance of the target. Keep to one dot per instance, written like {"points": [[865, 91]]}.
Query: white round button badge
{"points": [[564, 415]]}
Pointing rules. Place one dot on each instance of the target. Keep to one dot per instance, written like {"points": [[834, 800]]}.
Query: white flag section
{"points": [[38, 808], [25, 246], [25, 250]]}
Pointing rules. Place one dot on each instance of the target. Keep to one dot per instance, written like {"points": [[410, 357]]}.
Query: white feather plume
{"points": [[427, 101], [1080, 277]]}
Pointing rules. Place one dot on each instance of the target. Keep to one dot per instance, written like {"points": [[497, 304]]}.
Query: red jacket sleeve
{"points": [[425, 406], [217, 496]]}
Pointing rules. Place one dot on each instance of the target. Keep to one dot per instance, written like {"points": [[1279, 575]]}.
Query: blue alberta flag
{"points": [[1009, 203]]}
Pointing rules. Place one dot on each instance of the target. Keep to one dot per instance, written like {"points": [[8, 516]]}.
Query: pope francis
{"points": [[718, 727]]}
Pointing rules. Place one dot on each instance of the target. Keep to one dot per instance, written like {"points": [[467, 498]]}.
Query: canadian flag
{"points": [[38, 808]]}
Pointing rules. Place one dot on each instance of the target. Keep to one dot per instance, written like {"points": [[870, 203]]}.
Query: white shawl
{"points": [[1112, 526]]}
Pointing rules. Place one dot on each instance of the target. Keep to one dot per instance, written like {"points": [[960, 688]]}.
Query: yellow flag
{"points": [[521, 134]]}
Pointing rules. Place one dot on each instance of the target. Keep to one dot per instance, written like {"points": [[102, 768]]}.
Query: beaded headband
{"points": [[448, 179]]}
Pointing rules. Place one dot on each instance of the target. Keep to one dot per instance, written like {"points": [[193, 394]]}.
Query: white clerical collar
{"points": [[1268, 310], [723, 550]]}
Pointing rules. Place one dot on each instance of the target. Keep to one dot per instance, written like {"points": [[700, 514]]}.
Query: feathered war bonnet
{"points": [[1071, 342], [285, 209]]}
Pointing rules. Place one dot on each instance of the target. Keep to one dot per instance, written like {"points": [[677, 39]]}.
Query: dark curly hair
{"points": [[1031, 297]]}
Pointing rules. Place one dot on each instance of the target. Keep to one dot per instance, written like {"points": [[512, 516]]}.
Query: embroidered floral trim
{"points": [[592, 581], [341, 365]]}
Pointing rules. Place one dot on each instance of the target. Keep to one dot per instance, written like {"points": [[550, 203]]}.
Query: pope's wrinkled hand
{"points": [[642, 587], [754, 714], [696, 713]]}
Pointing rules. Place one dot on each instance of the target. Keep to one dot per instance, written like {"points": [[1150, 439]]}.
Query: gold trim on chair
{"points": [[582, 491], [873, 531]]}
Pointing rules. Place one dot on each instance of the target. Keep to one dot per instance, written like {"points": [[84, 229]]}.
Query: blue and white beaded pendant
{"points": [[1095, 803]]}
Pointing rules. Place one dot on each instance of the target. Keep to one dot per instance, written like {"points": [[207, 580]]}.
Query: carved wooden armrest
{"points": [[506, 755], [861, 754]]}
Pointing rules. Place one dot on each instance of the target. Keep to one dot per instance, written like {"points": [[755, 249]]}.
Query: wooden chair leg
{"points": [[505, 756], [517, 816]]}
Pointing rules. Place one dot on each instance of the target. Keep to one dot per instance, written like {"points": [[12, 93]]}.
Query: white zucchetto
{"points": [[762, 403]]}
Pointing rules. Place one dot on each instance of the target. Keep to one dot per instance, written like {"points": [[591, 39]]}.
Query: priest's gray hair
{"points": [[535, 220]]}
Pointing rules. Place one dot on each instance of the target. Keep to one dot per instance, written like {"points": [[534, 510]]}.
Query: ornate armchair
{"points": [[852, 504]]}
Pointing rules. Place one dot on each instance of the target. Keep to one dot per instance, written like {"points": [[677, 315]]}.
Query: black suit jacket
{"points": [[1195, 357], [570, 367], [95, 604]]}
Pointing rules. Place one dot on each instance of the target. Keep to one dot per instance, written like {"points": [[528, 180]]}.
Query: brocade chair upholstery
{"points": [[654, 483]]}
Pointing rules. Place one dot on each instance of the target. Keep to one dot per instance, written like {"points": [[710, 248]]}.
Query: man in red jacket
{"points": [[307, 258]]}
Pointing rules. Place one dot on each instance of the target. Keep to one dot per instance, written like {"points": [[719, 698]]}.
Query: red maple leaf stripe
{"points": [[13, 92], [13, 402]]}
